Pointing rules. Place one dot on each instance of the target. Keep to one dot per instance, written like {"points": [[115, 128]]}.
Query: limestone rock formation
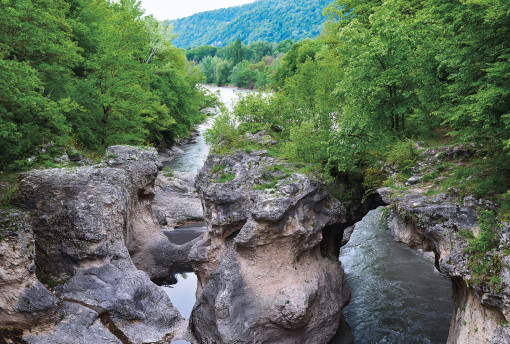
{"points": [[23, 299], [267, 267], [94, 228], [176, 203], [433, 224]]}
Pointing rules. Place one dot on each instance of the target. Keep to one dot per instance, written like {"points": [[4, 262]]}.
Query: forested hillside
{"points": [[383, 75], [85, 74], [263, 20]]}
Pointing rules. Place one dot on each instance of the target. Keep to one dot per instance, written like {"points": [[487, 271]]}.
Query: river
{"points": [[397, 297]]}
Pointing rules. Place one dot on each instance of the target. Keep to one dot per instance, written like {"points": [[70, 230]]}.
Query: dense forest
{"points": [[246, 66], [383, 75], [85, 74], [263, 20]]}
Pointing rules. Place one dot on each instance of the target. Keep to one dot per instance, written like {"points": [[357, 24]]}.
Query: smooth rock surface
{"points": [[176, 202]]}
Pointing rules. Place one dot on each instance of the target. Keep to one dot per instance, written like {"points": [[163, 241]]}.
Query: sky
{"points": [[173, 9]]}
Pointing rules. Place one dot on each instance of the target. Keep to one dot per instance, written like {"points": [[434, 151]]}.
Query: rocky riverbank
{"points": [[96, 249], [87, 249], [473, 254]]}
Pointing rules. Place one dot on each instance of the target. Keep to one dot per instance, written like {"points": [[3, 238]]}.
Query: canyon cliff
{"points": [[268, 266]]}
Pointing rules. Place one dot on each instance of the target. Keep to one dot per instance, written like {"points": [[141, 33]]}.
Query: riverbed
{"points": [[397, 296]]}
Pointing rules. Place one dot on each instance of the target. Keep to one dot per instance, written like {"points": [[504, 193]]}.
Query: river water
{"points": [[195, 154], [397, 297]]}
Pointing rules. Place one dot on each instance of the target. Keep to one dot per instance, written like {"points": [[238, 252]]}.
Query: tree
{"points": [[261, 49], [223, 70], [236, 54], [36, 58], [475, 67], [243, 75]]}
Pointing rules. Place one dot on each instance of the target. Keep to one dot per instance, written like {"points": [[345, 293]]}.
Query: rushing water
{"points": [[397, 297]]}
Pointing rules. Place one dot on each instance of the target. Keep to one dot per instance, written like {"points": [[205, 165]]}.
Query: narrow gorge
{"points": [[84, 254]]}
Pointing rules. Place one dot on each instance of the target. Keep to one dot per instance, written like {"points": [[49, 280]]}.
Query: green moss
{"points": [[168, 172], [46, 279], [217, 168], [224, 177], [484, 261], [468, 234]]}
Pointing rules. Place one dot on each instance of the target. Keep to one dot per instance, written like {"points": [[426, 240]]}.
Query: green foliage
{"points": [[8, 188], [223, 130], [483, 262], [243, 75], [481, 177], [263, 20], [47, 280], [90, 73], [475, 65], [244, 66], [271, 177], [403, 156], [168, 172], [224, 177], [487, 240]]}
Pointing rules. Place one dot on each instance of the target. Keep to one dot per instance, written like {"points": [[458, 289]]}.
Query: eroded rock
{"points": [[176, 202], [23, 299], [267, 267], [435, 224], [95, 230]]}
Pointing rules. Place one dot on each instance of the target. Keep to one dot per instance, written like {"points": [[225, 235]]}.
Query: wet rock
{"points": [[168, 154], [347, 235], [94, 228], [176, 202], [267, 266]]}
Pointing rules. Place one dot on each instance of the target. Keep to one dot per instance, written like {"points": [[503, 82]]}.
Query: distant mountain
{"points": [[266, 20]]}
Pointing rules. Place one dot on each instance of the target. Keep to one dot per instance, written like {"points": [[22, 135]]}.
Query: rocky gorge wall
{"points": [[434, 224], [96, 248], [267, 270], [267, 266]]}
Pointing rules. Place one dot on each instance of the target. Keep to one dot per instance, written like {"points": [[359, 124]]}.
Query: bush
{"points": [[403, 156]]}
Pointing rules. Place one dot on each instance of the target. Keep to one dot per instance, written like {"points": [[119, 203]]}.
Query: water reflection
{"points": [[182, 293]]}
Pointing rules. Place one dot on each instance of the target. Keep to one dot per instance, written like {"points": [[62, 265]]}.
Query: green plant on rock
{"points": [[168, 172], [224, 177], [484, 262], [403, 156]]}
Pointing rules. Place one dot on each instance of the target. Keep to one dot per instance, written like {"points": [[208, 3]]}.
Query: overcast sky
{"points": [[173, 9]]}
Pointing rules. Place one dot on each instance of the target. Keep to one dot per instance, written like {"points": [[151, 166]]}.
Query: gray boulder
{"points": [[95, 230], [267, 267], [176, 202]]}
